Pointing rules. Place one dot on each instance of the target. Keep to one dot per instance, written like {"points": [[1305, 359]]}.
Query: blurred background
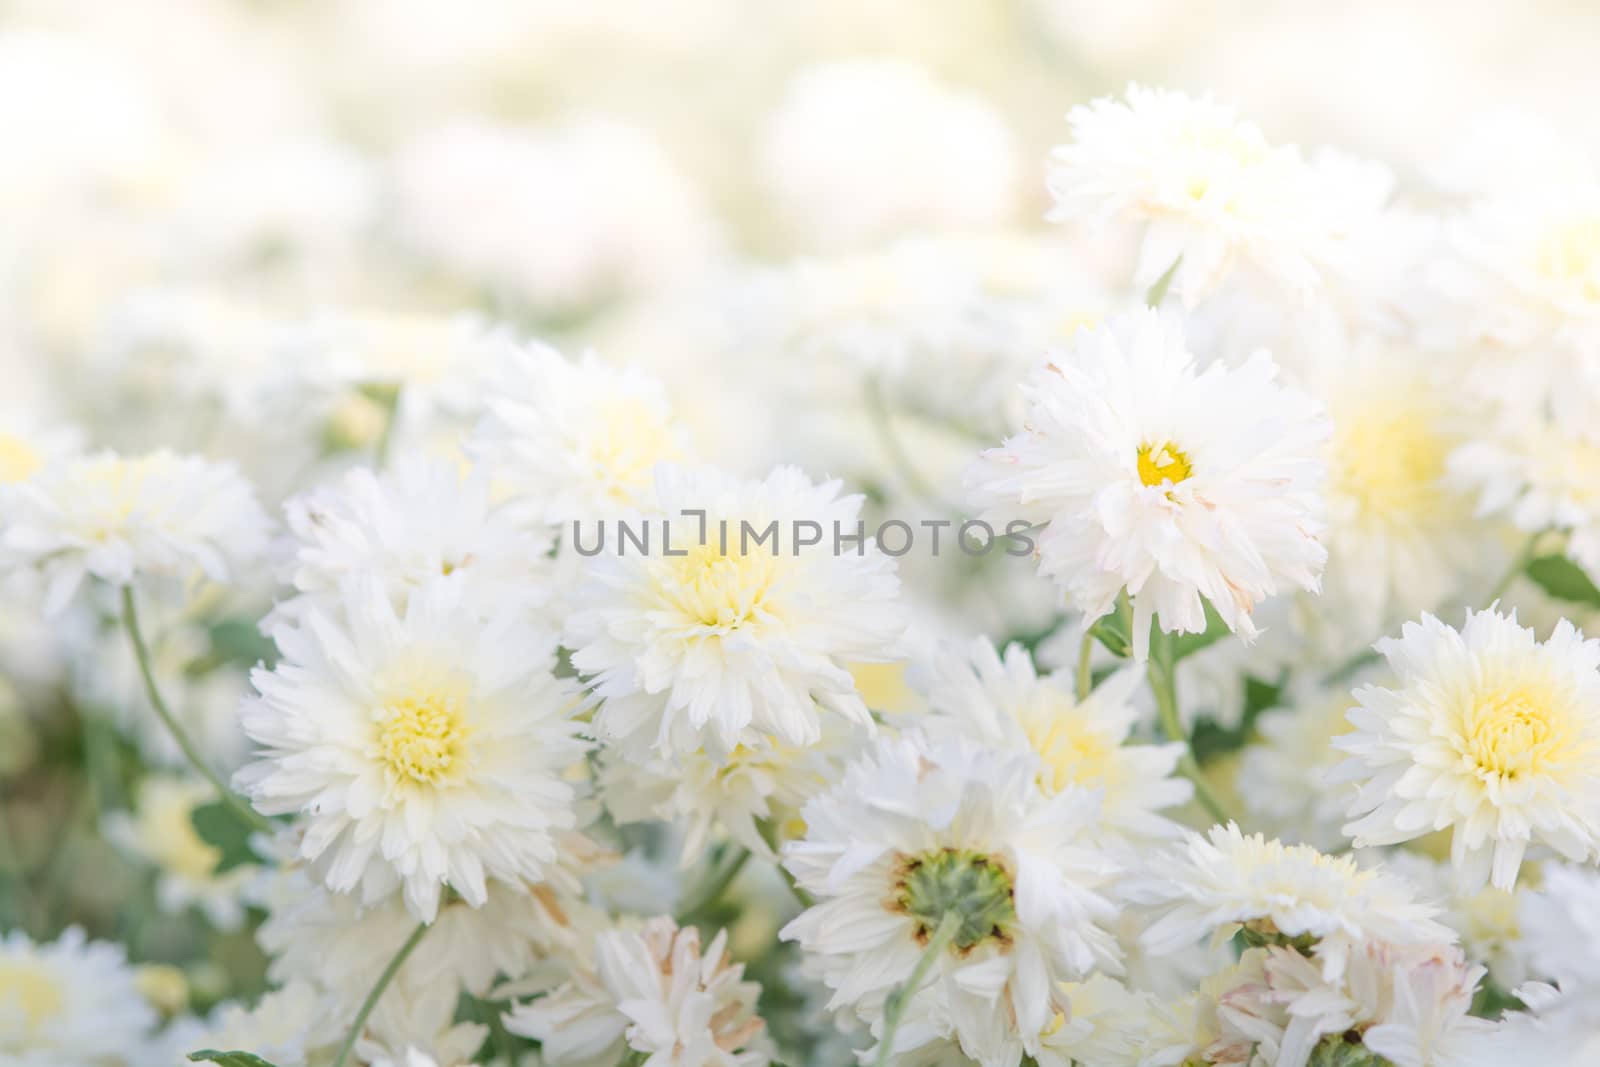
{"points": [[249, 228]]}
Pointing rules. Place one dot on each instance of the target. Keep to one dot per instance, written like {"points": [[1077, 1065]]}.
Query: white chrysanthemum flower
{"points": [[861, 151], [29, 445], [423, 749], [1182, 486], [1541, 468], [1538, 254], [161, 832], [721, 637], [71, 1001], [1401, 535], [296, 1025], [1207, 189], [1283, 777], [1488, 733], [575, 441], [1103, 1025], [422, 519], [1408, 1004], [333, 939], [1227, 880], [1005, 704], [1490, 922], [1561, 927], [157, 515], [917, 831], [756, 783], [651, 991]]}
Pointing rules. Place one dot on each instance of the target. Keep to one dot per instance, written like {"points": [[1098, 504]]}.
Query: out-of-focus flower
{"points": [[651, 991], [161, 832], [1206, 189], [71, 1001], [157, 515], [574, 441], [861, 151], [586, 210], [724, 635]]}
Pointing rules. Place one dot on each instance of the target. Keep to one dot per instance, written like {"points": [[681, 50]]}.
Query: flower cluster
{"points": [[447, 616]]}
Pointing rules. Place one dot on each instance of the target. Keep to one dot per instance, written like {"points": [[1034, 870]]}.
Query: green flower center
{"points": [[974, 887]]}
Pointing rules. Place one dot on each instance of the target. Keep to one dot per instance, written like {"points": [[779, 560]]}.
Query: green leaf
{"points": [[1188, 644], [221, 827], [1112, 632], [228, 1059], [1564, 580], [240, 641]]}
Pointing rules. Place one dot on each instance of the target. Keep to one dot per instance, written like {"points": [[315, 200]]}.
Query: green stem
{"points": [[130, 619], [390, 403], [377, 994], [1518, 565], [1162, 672], [1158, 289], [768, 829], [704, 895], [1085, 678], [895, 1005]]}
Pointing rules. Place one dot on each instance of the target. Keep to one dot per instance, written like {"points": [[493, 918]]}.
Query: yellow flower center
{"points": [[1570, 254], [724, 590], [423, 737], [630, 438], [1160, 464], [18, 459], [1516, 732], [1388, 458], [1070, 751], [34, 991]]}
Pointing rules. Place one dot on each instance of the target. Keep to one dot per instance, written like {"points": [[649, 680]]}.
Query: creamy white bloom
{"points": [[1487, 733], [919, 830], [1228, 879], [1406, 1003], [757, 783], [329, 938], [574, 441], [1179, 485], [1283, 777], [1536, 253], [422, 519], [1208, 191], [1561, 927], [422, 749], [1104, 1023], [1539, 465], [296, 1025], [1491, 923], [29, 444], [859, 151], [653, 991], [161, 832], [71, 1001], [157, 515], [1005, 704], [718, 637], [1401, 534]]}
